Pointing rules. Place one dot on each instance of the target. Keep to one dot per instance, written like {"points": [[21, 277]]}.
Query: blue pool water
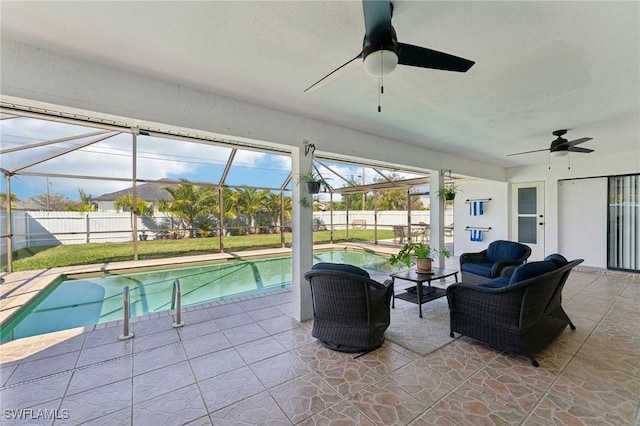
{"points": [[88, 301]]}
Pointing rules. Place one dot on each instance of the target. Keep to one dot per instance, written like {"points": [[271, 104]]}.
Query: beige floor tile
{"points": [[304, 396], [173, 408], [228, 388], [279, 369], [255, 410], [386, 404], [467, 405], [341, 414]]}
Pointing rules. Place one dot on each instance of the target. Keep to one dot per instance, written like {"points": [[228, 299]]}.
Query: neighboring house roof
{"points": [[26, 205], [146, 191]]}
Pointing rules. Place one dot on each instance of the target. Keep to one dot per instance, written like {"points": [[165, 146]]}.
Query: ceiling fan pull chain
{"points": [[379, 92], [569, 168], [549, 160]]}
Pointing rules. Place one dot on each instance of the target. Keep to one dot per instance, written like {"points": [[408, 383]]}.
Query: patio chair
{"points": [[521, 314], [399, 234], [422, 232], [350, 310], [482, 266]]}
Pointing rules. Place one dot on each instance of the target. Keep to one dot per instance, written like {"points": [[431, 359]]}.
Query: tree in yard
{"points": [[126, 204], [53, 201], [3, 199], [190, 204], [250, 201], [273, 206]]}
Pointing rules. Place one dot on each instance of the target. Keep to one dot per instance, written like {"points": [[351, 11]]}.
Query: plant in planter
{"points": [[423, 253], [448, 192], [314, 182]]}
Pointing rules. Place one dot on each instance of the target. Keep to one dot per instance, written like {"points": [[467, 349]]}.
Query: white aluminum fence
{"points": [[34, 229], [386, 219]]}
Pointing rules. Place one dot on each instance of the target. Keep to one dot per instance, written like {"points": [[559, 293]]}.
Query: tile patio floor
{"points": [[248, 362]]}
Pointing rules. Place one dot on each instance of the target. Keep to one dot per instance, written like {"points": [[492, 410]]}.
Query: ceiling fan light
{"points": [[380, 62], [559, 153]]}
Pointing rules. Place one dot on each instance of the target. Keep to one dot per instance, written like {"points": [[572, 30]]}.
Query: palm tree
{"points": [[249, 202], [190, 203], [272, 205]]}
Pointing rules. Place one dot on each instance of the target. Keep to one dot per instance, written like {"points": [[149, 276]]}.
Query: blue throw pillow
{"points": [[342, 267], [558, 259], [504, 250], [530, 270]]}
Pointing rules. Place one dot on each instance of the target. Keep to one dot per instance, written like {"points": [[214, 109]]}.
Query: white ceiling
{"points": [[540, 66]]}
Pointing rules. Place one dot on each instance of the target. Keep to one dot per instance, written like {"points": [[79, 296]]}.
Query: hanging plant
{"points": [[448, 192], [314, 183]]}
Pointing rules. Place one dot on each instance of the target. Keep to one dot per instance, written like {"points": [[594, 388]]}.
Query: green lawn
{"points": [[83, 254]]}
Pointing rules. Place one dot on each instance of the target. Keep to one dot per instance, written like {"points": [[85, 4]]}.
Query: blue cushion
{"points": [[482, 269], [530, 270], [558, 259], [496, 283], [504, 250], [342, 267]]}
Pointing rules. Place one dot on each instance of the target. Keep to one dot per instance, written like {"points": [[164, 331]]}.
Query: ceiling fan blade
{"points": [[377, 19], [417, 56], [578, 149], [528, 152], [576, 142], [342, 69]]}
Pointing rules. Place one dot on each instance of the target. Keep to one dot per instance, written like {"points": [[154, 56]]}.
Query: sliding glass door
{"points": [[624, 223]]}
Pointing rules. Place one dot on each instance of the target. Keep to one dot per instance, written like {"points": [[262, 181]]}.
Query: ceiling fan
{"points": [[560, 146], [381, 51]]}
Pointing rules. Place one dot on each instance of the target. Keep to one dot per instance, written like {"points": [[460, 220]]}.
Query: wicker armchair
{"points": [[350, 310], [479, 267], [520, 314]]}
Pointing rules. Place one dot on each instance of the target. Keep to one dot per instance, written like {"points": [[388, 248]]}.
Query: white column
{"points": [[436, 183], [302, 241]]}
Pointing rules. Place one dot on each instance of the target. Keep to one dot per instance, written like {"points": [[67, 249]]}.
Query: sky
{"points": [[158, 158]]}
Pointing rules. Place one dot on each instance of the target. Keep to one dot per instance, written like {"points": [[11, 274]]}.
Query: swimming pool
{"points": [[72, 303]]}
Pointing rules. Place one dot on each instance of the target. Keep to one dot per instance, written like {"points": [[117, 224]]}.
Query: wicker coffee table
{"points": [[422, 294]]}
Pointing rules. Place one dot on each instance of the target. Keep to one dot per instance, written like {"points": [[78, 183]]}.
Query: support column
{"points": [[436, 183], [302, 239], [134, 191], [7, 179]]}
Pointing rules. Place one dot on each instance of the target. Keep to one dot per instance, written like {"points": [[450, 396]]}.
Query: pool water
{"points": [[83, 302]]}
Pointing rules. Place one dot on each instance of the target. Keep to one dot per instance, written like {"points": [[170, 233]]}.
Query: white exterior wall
{"points": [[575, 210], [582, 212], [496, 215]]}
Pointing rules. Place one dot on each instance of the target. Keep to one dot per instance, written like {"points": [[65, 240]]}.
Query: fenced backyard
{"points": [[51, 239]]}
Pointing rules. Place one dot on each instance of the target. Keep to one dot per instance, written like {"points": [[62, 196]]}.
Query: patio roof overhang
{"points": [[381, 186]]}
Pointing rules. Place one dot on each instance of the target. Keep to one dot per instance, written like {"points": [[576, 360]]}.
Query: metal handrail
{"points": [[126, 334], [176, 303]]}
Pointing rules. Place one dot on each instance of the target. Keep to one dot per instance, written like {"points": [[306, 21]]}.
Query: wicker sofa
{"points": [[487, 264], [350, 310], [520, 314]]}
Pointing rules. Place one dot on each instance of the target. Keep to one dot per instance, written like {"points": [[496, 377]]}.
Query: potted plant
{"points": [[423, 253], [448, 192], [314, 182]]}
